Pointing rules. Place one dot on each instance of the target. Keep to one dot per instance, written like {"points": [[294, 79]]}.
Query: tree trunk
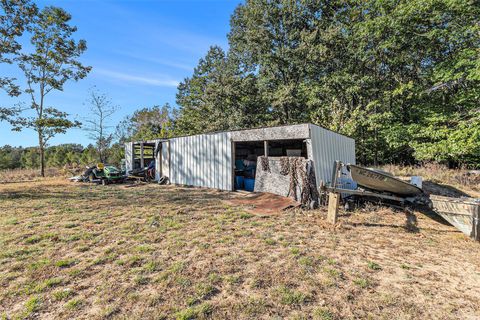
{"points": [[42, 153]]}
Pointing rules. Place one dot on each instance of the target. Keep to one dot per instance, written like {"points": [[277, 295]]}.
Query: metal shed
{"points": [[209, 160]]}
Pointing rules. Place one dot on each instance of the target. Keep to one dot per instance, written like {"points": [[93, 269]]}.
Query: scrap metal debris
{"points": [[263, 203]]}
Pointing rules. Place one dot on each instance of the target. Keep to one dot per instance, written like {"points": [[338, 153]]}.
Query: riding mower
{"points": [[103, 174]]}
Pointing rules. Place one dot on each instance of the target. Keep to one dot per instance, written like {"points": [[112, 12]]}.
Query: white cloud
{"points": [[159, 81], [160, 61]]}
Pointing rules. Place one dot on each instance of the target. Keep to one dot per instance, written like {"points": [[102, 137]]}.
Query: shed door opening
{"points": [[143, 155], [247, 153], [287, 148]]}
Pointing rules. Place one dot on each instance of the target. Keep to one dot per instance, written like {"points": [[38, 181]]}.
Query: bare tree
{"points": [[101, 110]]}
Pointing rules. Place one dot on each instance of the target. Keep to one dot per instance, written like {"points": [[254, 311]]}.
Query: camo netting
{"points": [[302, 185], [264, 163]]}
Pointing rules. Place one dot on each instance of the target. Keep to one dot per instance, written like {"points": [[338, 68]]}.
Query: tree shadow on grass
{"points": [[37, 195]]}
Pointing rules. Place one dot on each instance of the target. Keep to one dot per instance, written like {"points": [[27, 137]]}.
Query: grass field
{"points": [[162, 252]]}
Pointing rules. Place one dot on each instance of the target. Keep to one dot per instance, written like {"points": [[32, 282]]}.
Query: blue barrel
{"points": [[238, 182], [249, 184]]}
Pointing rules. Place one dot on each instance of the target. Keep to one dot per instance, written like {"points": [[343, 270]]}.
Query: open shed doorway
{"points": [[287, 148], [247, 153], [143, 155]]}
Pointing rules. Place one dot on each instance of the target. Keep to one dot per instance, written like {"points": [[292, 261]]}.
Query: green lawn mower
{"points": [[104, 174]]}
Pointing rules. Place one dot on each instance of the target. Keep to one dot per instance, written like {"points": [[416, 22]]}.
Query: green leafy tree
{"points": [[10, 157], [63, 154], [219, 96], [116, 153], [145, 124], [30, 158], [52, 63], [16, 16], [89, 155], [279, 42], [401, 77]]}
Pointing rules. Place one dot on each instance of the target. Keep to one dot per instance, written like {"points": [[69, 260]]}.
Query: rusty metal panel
{"points": [[202, 160], [328, 146]]}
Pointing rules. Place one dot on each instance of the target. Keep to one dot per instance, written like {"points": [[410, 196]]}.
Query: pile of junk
{"points": [[108, 174], [101, 174]]}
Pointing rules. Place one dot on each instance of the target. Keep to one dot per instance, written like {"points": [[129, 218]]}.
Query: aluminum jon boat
{"points": [[383, 182], [462, 213]]}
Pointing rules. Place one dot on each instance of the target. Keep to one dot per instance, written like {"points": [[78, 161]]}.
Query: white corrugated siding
{"points": [[165, 170], [328, 146], [203, 160], [129, 156]]}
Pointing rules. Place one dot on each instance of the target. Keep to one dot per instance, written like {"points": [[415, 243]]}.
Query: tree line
{"points": [[400, 77], [55, 156]]}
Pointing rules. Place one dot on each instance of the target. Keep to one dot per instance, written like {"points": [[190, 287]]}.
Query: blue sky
{"points": [[139, 51]]}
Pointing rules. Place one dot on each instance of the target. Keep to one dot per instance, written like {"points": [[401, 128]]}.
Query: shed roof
{"points": [[297, 131]]}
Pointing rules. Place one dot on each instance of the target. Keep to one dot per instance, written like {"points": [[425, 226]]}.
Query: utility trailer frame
{"points": [[334, 194]]}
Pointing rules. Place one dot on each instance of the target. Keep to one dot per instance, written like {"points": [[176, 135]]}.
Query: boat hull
{"points": [[464, 214], [383, 182]]}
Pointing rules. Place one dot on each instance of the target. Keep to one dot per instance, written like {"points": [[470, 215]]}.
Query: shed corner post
{"points": [[142, 161], [128, 155], [158, 160], [233, 165], [308, 143]]}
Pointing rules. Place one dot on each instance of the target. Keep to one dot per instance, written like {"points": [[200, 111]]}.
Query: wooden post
{"points": [[333, 204], [333, 197]]}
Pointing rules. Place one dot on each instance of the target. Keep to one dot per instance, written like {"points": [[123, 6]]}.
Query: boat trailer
{"points": [[335, 193], [462, 213]]}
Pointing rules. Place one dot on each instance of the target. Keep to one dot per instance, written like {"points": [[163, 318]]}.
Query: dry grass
{"points": [[150, 252], [19, 175]]}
